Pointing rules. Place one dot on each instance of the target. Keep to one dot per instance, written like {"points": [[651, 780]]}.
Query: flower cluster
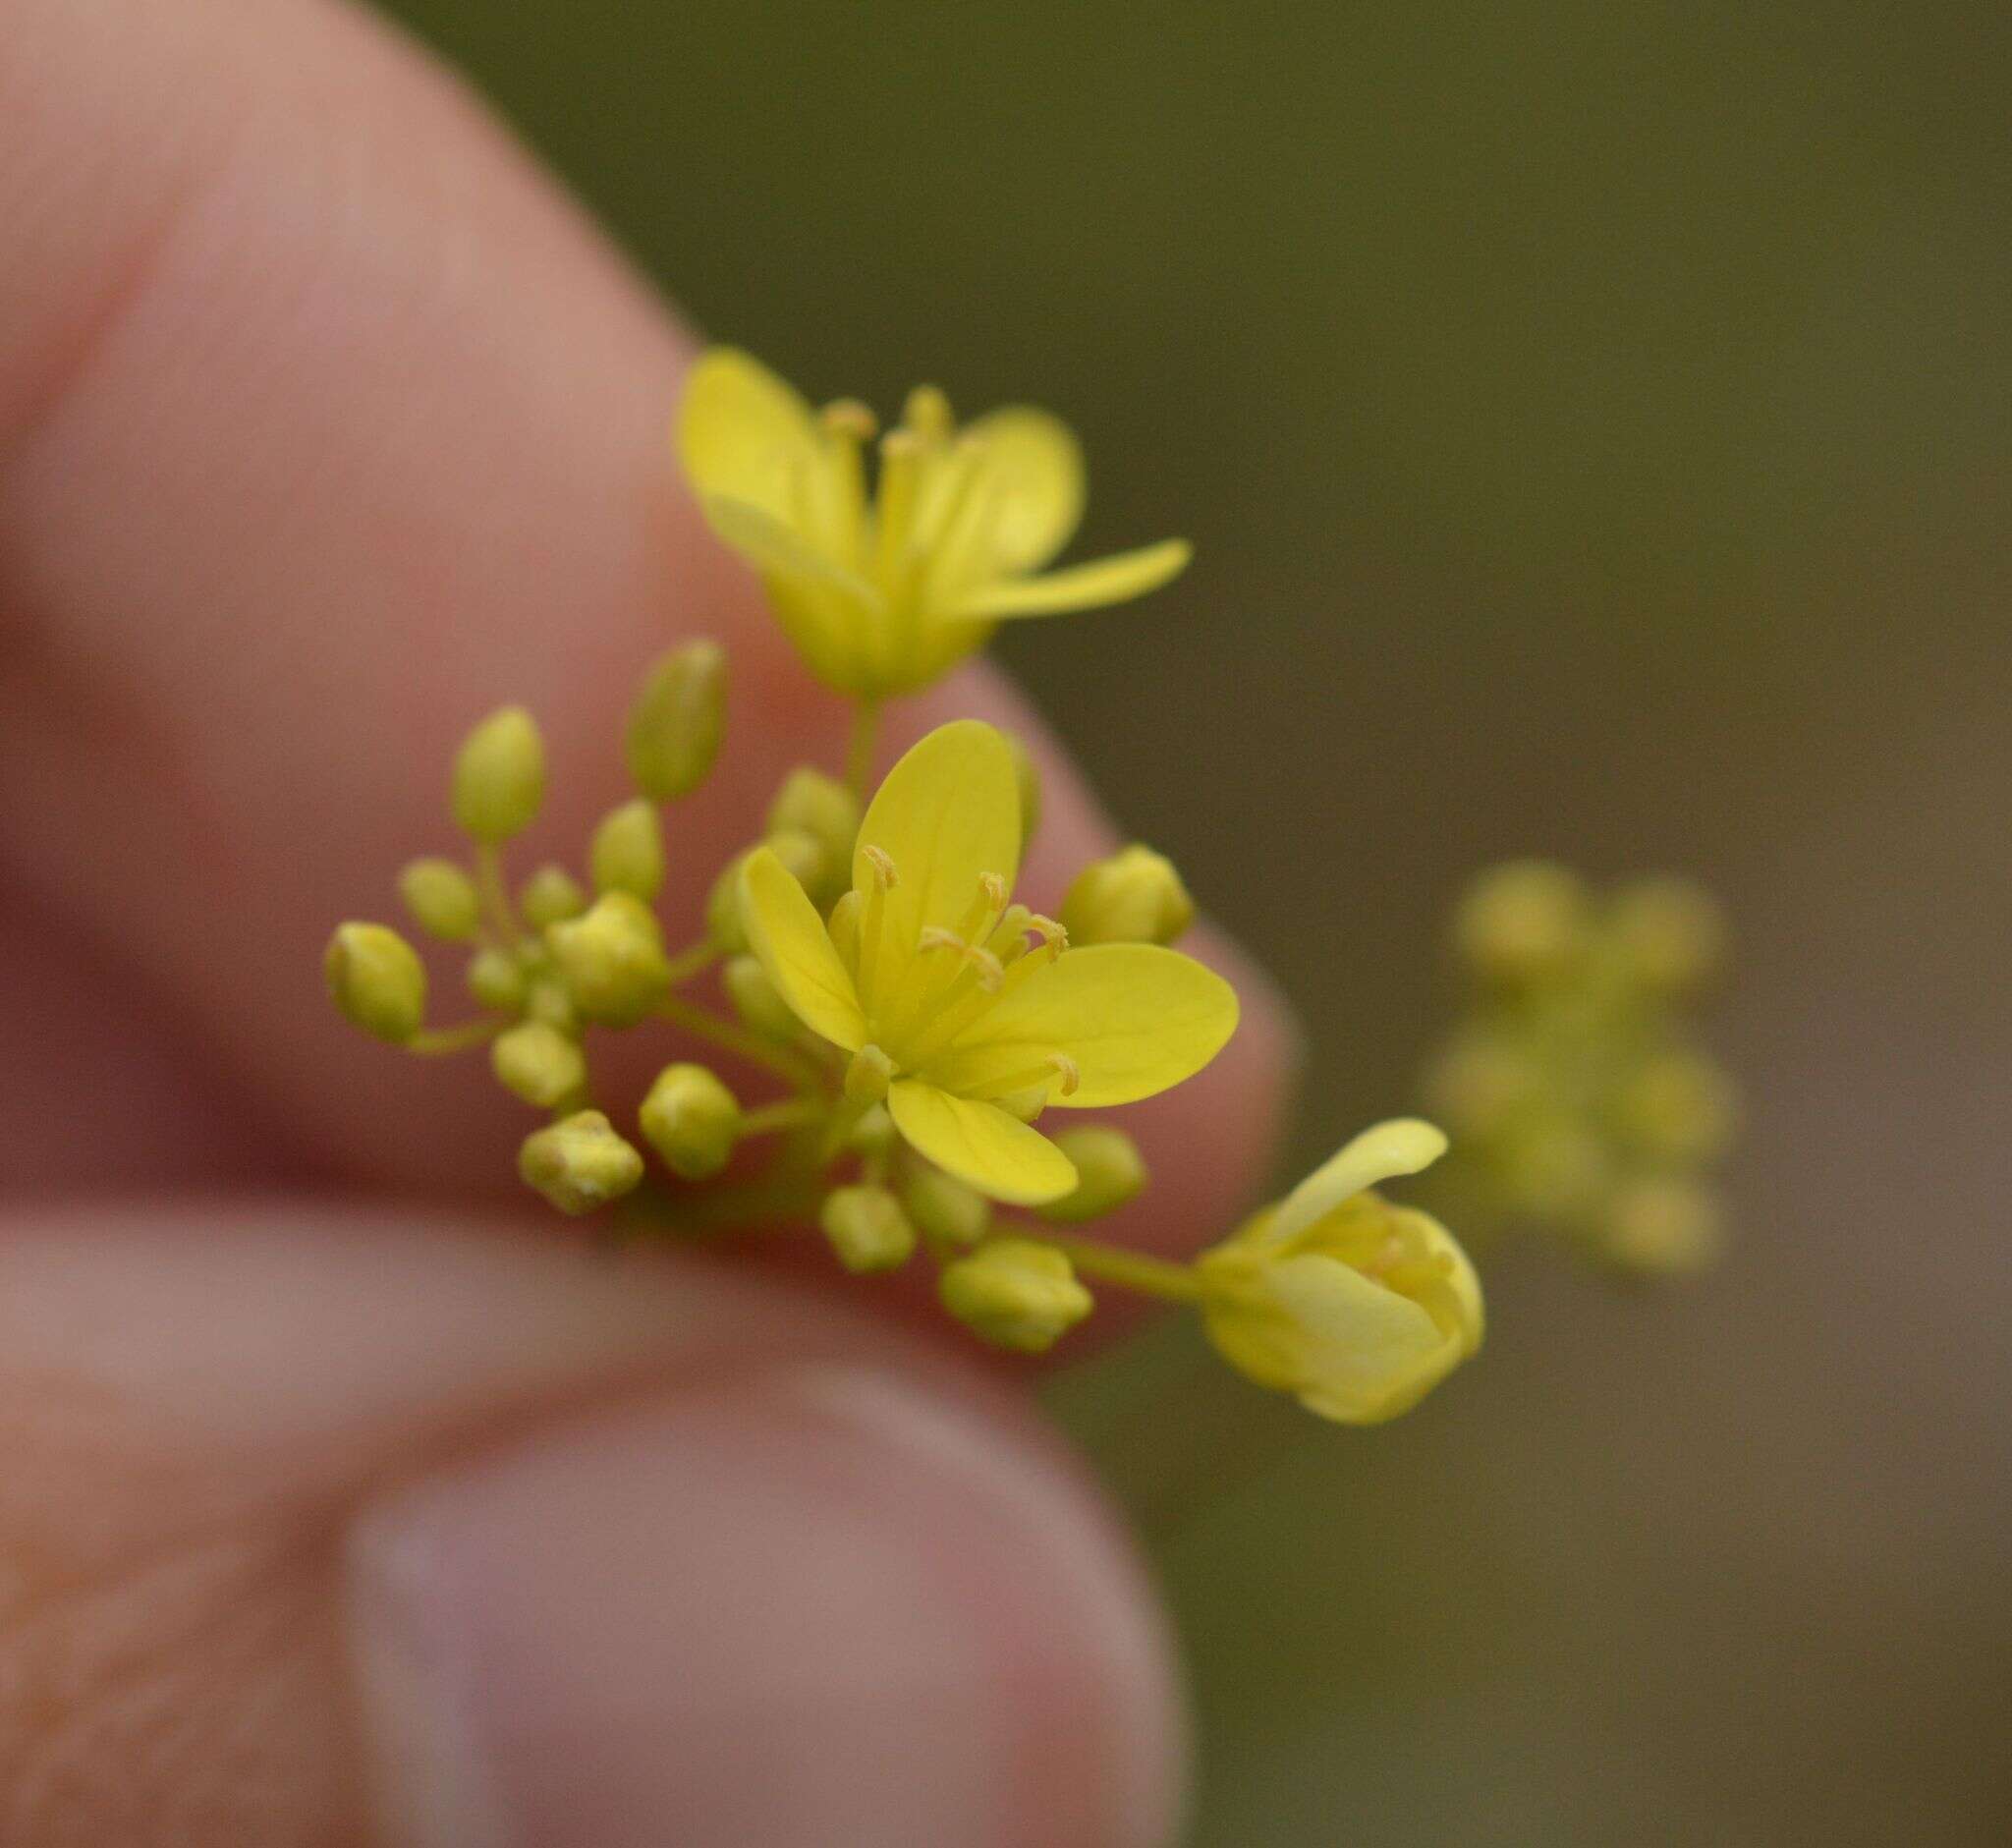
{"points": [[1581, 1103], [903, 1040]]}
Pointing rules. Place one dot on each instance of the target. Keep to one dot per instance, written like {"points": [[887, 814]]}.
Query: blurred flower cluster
{"points": [[884, 1044]]}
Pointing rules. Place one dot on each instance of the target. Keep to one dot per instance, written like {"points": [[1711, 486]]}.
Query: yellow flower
{"points": [[982, 1012], [881, 595], [1357, 1307]]}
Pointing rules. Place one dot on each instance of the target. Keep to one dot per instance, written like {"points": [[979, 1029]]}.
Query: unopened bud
{"points": [[579, 1163], [868, 1228], [539, 1064], [499, 778], [675, 725], [1678, 1107], [1029, 777], [1134, 897], [757, 999], [1664, 1228], [628, 852], [1670, 933], [945, 1209], [1521, 921], [495, 979], [692, 1120], [1109, 1171], [874, 1133], [441, 898], [378, 981], [612, 959], [1015, 1293], [868, 1076], [796, 851], [1478, 1082], [550, 896], [823, 809], [549, 1002]]}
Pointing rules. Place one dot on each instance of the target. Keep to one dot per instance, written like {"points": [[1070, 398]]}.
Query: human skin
{"points": [[333, 1511]]}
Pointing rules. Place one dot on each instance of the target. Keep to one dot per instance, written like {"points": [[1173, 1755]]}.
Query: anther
{"points": [[848, 417], [1070, 1072], [882, 863]]}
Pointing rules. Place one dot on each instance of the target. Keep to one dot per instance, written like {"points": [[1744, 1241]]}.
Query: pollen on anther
{"points": [[882, 863], [1071, 1073]]}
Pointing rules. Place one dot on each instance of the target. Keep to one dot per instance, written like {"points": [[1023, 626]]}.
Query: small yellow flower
{"points": [[982, 1012], [1357, 1307], [880, 596]]}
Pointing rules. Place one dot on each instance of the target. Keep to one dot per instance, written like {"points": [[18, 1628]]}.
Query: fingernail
{"points": [[820, 1607]]}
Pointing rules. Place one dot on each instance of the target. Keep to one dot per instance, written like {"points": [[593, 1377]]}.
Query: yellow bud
{"points": [[815, 806], [692, 1120], [612, 959], [1015, 1293], [675, 725], [947, 1210], [441, 898], [1134, 897], [579, 1163], [549, 1002], [1521, 921], [873, 1132], [868, 1076], [1029, 777], [378, 981], [628, 853], [1664, 1228], [1678, 1107], [499, 778], [539, 1064], [1671, 933], [796, 851], [1478, 1082], [756, 1000], [1556, 1170], [868, 1228], [550, 896], [1109, 1171], [495, 979]]}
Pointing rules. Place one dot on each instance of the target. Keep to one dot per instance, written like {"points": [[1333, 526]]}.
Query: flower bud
{"points": [[1521, 921], [757, 999], [579, 1163], [796, 851], [815, 806], [548, 1001], [539, 1064], [692, 1120], [1029, 778], [1670, 933], [441, 898], [550, 896], [612, 959], [1015, 1293], [1664, 1228], [628, 852], [1134, 897], [499, 777], [868, 1076], [495, 979], [945, 1209], [1109, 1171], [1678, 1107], [874, 1133], [377, 980], [1478, 1082], [868, 1228], [675, 725]]}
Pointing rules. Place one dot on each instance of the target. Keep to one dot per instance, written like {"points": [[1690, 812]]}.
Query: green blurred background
{"points": [[1595, 421]]}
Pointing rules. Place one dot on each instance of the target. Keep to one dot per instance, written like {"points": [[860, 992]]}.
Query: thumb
{"points": [[441, 1538]]}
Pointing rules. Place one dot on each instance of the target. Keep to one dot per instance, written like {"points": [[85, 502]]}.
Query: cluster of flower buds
{"points": [[1579, 1101], [899, 1034]]}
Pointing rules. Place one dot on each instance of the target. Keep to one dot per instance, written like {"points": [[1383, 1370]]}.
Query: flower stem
{"points": [[437, 1041], [737, 1039], [495, 894], [693, 960], [1130, 1271], [791, 1113], [860, 749]]}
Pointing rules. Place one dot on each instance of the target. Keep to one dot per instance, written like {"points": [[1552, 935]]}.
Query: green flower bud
{"points": [[628, 853], [441, 898], [868, 1076], [579, 1163], [550, 896], [874, 1133], [1015, 1293], [796, 851], [1670, 933], [1029, 778], [495, 979], [692, 1120], [378, 981], [499, 778], [757, 999], [815, 806], [675, 725], [1664, 1228], [1133, 897], [1678, 1106], [539, 1064], [612, 959], [1521, 921], [944, 1209], [1109, 1171], [868, 1228], [549, 1002]]}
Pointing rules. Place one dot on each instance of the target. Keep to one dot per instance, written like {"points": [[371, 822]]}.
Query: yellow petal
{"points": [[1403, 1146], [795, 951], [948, 814], [1135, 1018], [1080, 587], [744, 434], [1029, 478], [1366, 1352], [771, 545], [981, 1145]]}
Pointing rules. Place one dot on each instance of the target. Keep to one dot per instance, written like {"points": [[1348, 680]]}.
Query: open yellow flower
{"points": [[881, 595], [1357, 1307], [972, 1008]]}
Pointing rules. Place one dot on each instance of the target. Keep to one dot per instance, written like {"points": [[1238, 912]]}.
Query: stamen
{"points": [[928, 413], [870, 925], [882, 863], [1071, 1072], [976, 956], [848, 417]]}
